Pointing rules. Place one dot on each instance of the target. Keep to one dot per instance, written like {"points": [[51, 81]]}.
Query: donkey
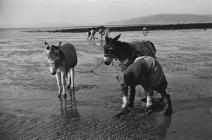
{"points": [[107, 31], [145, 31], [126, 53], [91, 34], [104, 32], [147, 72], [62, 60], [101, 32]]}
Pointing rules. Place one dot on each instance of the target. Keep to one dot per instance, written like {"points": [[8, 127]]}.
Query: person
{"points": [[101, 32], [145, 31], [107, 31], [89, 34]]}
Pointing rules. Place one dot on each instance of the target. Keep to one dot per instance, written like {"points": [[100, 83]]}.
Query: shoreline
{"points": [[123, 28]]}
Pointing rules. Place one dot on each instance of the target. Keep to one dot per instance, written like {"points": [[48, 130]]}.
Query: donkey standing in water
{"points": [[126, 53], [62, 60], [104, 32], [101, 32], [147, 72], [91, 34]]}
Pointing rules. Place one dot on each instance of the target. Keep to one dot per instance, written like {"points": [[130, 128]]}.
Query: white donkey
{"points": [[62, 60]]}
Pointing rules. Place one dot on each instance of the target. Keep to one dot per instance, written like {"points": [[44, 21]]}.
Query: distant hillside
{"points": [[165, 19]]}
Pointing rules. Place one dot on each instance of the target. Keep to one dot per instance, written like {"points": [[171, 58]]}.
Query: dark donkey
{"points": [[126, 53]]}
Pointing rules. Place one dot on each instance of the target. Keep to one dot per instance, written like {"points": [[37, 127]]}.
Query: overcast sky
{"points": [[33, 13]]}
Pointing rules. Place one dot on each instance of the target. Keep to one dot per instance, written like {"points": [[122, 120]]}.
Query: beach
{"points": [[30, 108]]}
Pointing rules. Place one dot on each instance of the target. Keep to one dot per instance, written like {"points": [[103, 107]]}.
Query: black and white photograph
{"points": [[105, 69]]}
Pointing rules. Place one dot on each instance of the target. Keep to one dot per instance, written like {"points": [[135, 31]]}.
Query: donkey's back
{"points": [[143, 48], [70, 55]]}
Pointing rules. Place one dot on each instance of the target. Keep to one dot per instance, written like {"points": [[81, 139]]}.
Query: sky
{"points": [[38, 13]]}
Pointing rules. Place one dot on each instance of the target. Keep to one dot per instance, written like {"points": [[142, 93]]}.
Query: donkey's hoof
{"points": [[143, 100], [118, 115], [148, 110], [59, 96], [73, 88], [65, 96], [122, 113]]}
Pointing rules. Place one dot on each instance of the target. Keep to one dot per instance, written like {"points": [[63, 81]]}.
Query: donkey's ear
{"points": [[46, 45], [117, 37], [107, 38], [60, 44]]}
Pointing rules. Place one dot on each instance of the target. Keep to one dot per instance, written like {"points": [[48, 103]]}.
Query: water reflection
{"points": [[141, 126], [68, 107], [70, 116], [138, 125], [135, 125]]}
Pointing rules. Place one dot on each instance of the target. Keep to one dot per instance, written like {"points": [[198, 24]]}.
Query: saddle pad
{"points": [[70, 55], [143, 48]]}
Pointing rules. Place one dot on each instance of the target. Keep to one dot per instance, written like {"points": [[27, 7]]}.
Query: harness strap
{"points": [[132, 57]]}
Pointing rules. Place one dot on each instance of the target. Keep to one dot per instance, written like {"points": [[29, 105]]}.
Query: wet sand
{"points": [[30, 109]]}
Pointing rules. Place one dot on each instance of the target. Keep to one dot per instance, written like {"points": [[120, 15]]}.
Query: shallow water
{"points": [[30, 109]]}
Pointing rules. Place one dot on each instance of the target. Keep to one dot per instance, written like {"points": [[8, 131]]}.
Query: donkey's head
{"points": [[110, 49], [53, 54]]}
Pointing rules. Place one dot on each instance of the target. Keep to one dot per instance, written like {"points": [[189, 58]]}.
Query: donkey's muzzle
{"points": [[53, 73], [107, 60], [107, 63]]}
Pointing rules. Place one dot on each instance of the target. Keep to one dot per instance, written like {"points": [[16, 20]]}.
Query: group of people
{"points": [[103, 31]]}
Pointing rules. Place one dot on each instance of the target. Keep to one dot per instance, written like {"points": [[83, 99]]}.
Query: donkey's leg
{"points": [[63, 79], [58, 76], [149, 94], [72, 78], [69, 79], [125, 95], [131, 97], [167, 101], [101, 36]]}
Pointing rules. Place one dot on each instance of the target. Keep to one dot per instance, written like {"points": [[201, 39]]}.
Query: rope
{"points": [[92, 70]]}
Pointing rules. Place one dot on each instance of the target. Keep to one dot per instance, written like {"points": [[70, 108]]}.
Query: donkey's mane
{"points": [[123, 50], [123, 44]]}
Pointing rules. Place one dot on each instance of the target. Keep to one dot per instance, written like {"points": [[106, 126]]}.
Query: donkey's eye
{"points": [[110, 49], [56, 48], [47, 47]]}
